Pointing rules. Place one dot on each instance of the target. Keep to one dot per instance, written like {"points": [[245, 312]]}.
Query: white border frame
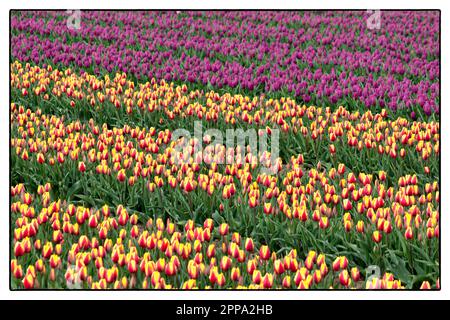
{"points": [[5, 293]]}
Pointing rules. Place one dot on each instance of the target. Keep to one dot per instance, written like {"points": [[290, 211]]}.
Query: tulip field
{"points": [[100, 198]]}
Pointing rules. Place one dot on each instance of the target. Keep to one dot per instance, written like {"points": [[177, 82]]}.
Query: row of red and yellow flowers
{"points": [[60, 245], [108, 96], [142, 159]]}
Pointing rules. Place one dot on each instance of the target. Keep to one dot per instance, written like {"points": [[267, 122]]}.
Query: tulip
{"points": [[264, 252], [251, 267], [132, 266], [225, 263], [355, 274], [374, 283], [123, 217], [81, 166], [208, 224], [344, 278], [154, 279], [303, 285], [28, 281], [286, 283], [267, 281], [320, 259], [221, 280], [278, 267], [40, 265], [360, 226], [332, 149], [256, 277], [409, 233], [253, 202], [189, 186], [223, 229], [235, 274], [425, 286], [249, 246], [348, 226], [19, 249], [317, 276], [213, 275], [347, 205], [17, 272], [268, 209], [121, 175], [40, 158], [170, 269], [376, 236], [55, 261], [323, 269], [303, 215], [324, 223], [93, 221], [430, 233], [309, 262]]}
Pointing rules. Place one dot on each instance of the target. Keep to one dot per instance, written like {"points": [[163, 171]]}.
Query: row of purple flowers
{"points": [[324, 57]]}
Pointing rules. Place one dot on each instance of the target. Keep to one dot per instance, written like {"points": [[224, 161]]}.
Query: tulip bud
{"points": [[221, 280], [347, 205], [249, 246], [430, 233], [317, 276], [40, 265], [81, 166], [223, 229], [225, 263], [355, 274], [17, 272], [251, 267], [235, 274], [264, 252], [376, 236], [309, 263], [93, 221], [213, 275], [278, 267], [286, 283], [267, 281], [409, 233], [19, 249], [256, 277], [28, 281], [40, 158], [121, 175], [324, 223], [347, 226], [360, 226], [132, 266], [155, 278], [425, 286], [344, 278], [208, 224]]}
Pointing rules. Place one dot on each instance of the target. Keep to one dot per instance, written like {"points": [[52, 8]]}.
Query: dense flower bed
{"points": [[384, 214], [340, 189]]}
